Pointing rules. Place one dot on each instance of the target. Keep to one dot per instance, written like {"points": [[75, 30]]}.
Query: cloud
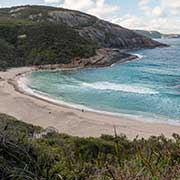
{"points": [[157, 11], [129, 21], [162, 24], [143, 2], [166, 25], [143, 5], [52, 1], [78, 4], [160, 15], [172, 5], [95, 7], [103, 10], [98, 8]]}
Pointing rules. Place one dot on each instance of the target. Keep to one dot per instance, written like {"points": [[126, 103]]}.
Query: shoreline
{"points": [[67, 119], [24, 89], [105, 57]]}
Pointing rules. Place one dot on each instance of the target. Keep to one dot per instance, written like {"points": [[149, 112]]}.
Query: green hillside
{"points": [[38, 44], [26, 42], [37, 35], [31, 153]]}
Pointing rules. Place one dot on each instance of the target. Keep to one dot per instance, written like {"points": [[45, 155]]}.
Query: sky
{"points": [[161, 15]]}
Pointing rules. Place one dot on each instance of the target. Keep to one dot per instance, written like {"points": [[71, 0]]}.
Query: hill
{"points": [[156, 34], [29, 152], [36, 35], [149, 34]]}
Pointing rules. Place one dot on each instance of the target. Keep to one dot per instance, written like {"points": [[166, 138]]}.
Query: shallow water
{"points": [[148, 87]]}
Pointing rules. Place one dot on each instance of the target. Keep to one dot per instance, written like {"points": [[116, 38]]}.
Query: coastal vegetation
{"points": [[39, 44], [38, 35], [32, 153]]}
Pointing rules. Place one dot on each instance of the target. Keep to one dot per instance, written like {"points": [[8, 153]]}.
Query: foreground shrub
{"points": [[26, 153]]}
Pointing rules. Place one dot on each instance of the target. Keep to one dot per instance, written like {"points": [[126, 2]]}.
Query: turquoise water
{"points": [[147, 87]]}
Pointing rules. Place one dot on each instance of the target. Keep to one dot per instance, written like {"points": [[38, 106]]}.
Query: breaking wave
{"points": [[120, 87], [139, 56]]}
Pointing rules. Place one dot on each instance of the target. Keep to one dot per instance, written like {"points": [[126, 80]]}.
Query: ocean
{"points": [[147, 88]]}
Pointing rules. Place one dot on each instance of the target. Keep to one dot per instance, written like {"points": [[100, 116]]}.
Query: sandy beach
{"points": [[69, 120]]}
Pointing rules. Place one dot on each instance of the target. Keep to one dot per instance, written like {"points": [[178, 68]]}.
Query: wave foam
{"points": [[23, 84], [139, 56], [120, 87], [139, 116]]}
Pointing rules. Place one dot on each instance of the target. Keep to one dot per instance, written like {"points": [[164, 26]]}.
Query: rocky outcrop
{"points": [[104, 57], [43, 35], [104, 33]]}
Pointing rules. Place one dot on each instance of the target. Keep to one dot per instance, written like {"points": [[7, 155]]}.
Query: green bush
{"points": [[41, 43], [58, 156]]}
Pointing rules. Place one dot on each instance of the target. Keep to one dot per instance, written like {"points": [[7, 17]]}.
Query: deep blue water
{"points": [[148, 87]]}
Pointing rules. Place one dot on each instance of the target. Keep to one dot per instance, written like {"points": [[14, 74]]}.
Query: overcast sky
{"points": [[162, 15]]}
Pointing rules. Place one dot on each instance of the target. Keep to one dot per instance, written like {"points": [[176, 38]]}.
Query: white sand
{"points": [[68, 120]]}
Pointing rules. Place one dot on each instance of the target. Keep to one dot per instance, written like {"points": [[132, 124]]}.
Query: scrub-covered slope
{"points": [[28, 152], [33, 35]]}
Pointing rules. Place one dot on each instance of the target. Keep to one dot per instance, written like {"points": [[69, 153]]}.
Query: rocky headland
{"points": [[104, 57], [41, 35]]}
